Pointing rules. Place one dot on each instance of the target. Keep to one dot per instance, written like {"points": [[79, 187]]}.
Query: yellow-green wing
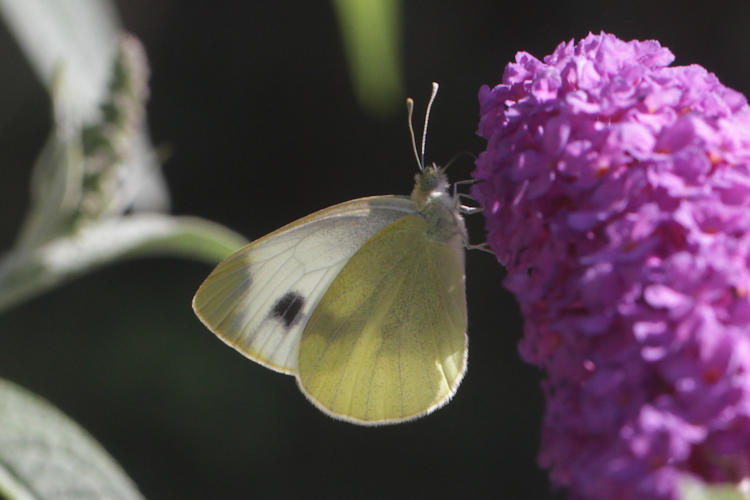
{"points": [[258, 300], [387, 342]]}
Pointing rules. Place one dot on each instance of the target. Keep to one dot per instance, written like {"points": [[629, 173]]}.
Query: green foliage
{"points": [[97, 191], [370, 30], [97, 196], [44, 454]]}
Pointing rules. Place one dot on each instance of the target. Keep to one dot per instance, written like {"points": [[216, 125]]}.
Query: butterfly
{"points": [[363, 302]]}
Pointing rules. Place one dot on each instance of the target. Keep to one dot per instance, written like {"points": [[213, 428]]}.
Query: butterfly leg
{"points": [[466, 182], [469, 210], [484, 247]]}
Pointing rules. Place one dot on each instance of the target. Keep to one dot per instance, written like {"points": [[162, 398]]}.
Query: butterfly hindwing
{"points": [[387, 342], [259, 299]]}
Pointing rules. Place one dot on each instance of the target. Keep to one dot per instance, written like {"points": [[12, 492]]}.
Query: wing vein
{"points": [[354, 344], [405, 280]]}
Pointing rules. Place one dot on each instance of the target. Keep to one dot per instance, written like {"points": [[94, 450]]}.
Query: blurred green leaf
{"points": [[692, 489], [96, 169], [371, 31], [56, 191], [70, 44], [45, 455], [96, 186], [97, 79], [25, 274]]}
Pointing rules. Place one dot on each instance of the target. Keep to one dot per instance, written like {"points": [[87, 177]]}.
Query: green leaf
{"points": [[371, 31], [25, 274], [98, 160], [97, 189], [56, 191], [70, 44], [45, 455]]}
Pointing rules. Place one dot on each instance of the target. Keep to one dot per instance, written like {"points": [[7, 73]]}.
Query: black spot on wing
{"points": [[287, 308]]}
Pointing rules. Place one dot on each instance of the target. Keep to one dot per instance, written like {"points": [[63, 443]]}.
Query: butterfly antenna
{"points": [[457, 156], [410, 111], [427, 116]]}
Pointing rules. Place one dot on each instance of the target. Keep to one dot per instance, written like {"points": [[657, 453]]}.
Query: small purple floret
{"points": [[617, 195]]}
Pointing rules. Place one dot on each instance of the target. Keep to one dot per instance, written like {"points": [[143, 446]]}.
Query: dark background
{"points": [[254, 101]]}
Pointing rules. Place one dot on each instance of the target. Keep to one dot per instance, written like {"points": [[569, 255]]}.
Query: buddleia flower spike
{"points": [[617, 195]]}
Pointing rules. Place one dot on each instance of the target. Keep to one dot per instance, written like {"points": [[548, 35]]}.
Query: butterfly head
{"points": [[430, 194], [437, 206], [430, 184]]}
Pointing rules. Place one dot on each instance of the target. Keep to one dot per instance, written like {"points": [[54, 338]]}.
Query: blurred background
{"points": [[255, 107]]}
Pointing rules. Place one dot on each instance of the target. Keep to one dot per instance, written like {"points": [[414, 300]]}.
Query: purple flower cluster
{"points": [[617, 195]]}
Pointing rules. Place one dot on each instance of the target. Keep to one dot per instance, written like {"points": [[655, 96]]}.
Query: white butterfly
{"points": [[363, 302]]}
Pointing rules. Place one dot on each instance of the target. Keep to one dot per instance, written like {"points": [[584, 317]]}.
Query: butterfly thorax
{"points": [[436, 205]]}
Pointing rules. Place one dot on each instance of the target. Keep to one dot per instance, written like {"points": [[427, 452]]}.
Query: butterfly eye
{"points": [[429, 180]]}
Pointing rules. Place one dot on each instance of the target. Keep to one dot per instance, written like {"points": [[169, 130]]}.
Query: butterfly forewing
{"points": [[387, 342], [259, 299]]}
